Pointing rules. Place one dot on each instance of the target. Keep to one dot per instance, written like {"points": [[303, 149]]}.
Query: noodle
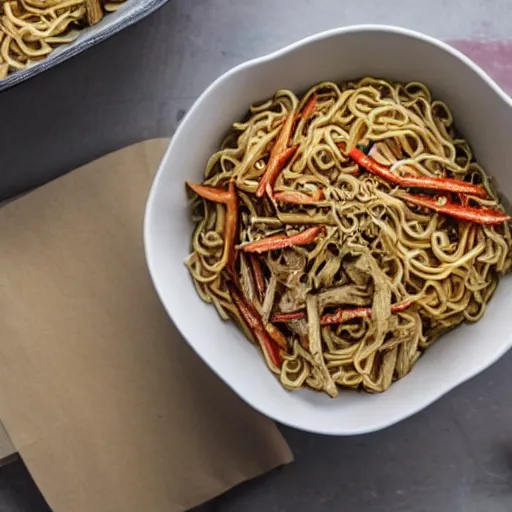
{"points": [[31, 29], [351, 273]]}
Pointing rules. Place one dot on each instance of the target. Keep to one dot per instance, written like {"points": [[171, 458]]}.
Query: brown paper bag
{"points": [[106, 403]]}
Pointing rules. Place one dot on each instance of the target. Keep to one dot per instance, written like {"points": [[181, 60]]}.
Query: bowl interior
{"points": [[482, 113]]}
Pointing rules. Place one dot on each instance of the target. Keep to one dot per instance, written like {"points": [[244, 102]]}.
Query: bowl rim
{"points": [[418, 405]]}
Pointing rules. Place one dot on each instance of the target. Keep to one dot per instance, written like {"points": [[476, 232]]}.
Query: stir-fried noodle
{"points": [[31, 29], [342, 270]]}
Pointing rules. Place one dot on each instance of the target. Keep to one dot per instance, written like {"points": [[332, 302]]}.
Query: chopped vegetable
{"points": [[281, 241], [288, 317], [446, 184], [344, 315], [295, 197], [340, 316], [259, 278], [279, 156], [255, 324], [214, 194], [315, 346], [277, 335], [310, 107], [442, 205], [274, 167], [230, 199], [366, 148]]}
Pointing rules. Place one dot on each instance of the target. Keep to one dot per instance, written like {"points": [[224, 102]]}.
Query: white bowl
{"points": [[482, 112]]}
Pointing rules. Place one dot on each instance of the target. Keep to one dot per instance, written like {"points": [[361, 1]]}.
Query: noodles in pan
{"points": [[345, 231], [31, 29]]}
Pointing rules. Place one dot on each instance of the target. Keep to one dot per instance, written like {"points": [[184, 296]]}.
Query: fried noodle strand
{"points": [[381, 278]]}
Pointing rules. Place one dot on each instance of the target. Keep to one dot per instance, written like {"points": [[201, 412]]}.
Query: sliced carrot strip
{"points": [[340, 316], [295, 197], [277, 336], [310, 107], [484, 216], [274, 167], [344, 315], [214, 194], [255, 323], [445, 184], [279, 155], [258, 275], [281, 241], [288, 317], [230, 199]]}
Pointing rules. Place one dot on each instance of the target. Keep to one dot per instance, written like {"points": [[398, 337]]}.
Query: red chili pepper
{"points": [[281, 241], [230, 199], [310, 107], [258, 275], [467, 213], [340, 316], [446, 184], [295, 197], [255, 323]]}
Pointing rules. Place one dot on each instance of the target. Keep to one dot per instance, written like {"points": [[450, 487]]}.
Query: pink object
{"points": [[495, 57]]}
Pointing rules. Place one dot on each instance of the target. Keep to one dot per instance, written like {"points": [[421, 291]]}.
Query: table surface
{"points": [[456, 456]]}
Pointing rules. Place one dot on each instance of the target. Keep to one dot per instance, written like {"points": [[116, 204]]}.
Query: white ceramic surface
{"points": [[482, 112]]}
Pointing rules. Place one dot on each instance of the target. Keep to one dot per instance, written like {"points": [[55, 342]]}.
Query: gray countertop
{"points": [[456, 456]]}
